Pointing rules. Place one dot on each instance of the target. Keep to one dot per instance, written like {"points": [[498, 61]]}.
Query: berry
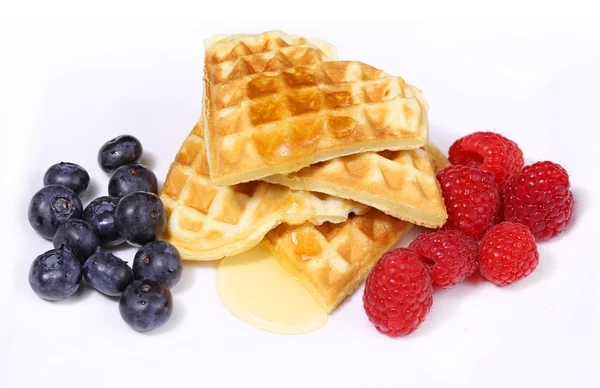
{"points": [[452, 256], [472, 199], [55, 275], [69, 175], [107, 273], [398, 293], [100, 214], [51, 207], [539, 197], [140, 218], [490, 152], [121, 150], [507, 253], [130, 179], [146, 305], [77, 237], [158, 261]]}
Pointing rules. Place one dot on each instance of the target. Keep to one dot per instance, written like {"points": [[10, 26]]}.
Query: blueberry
{"points": [[69, 175], [121, 150], [146, 305], [51, 207], [131, 178], [158, 261], [55, 275], [100, 214], [77, 237], [140, 218], [107, 273]]}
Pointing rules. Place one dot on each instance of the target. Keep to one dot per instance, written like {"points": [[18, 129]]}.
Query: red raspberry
{"points": [[507, 253], [490, 152], [398, 293], [539, 197], [472, 199], [453, 255]]}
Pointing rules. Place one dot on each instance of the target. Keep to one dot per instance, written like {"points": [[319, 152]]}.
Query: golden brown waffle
{"points": [[331, 260], [275, 103], [208, 222], [437, 156], [399, 183]]}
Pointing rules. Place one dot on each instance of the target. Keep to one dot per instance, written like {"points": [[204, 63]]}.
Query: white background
{"points": [[67, 87]]}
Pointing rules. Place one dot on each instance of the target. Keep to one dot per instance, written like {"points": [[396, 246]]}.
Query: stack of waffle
{"points": [[326, 161]]}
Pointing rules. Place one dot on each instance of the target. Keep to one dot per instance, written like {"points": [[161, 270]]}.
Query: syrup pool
{"points": [[255, 288]]}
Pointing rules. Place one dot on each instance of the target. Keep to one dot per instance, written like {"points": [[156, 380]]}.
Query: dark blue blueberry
{"points": [[69, 175], [51, 207], [146, 305], [100, 214], [55, 275], [158, 261], [140, 218], [131, 178], [121, 150], [107, 273], [77, 237]]}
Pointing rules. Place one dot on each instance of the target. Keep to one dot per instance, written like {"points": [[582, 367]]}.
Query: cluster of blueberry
{"points": [[132, 212]]}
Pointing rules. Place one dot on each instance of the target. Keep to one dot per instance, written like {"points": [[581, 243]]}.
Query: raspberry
{"points": [[539, 198], [398, 293], [507, 253], [472, 199], [490, 152], [453, 254]]}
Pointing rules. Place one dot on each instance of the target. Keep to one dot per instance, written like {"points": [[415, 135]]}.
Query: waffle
{"points": [[399, 183], [208, 222], [331, 260], [275, 103]]}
